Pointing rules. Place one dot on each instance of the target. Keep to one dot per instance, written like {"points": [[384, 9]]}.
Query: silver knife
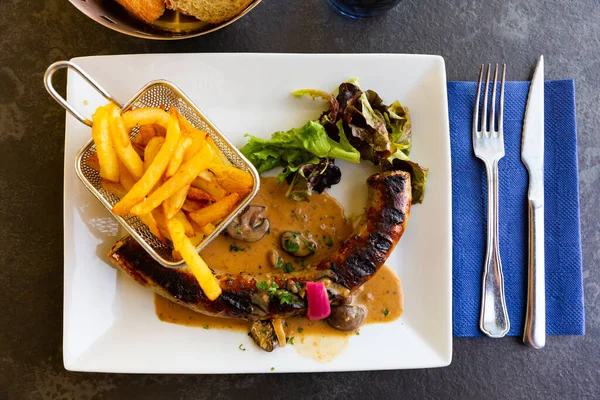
{"points": [[532, 155]]}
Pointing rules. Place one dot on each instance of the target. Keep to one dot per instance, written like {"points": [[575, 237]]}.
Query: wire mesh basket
{"points": [[157, 93]]}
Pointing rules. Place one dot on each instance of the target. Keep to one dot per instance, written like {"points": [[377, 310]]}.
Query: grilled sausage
{"points": [[358, 259]]}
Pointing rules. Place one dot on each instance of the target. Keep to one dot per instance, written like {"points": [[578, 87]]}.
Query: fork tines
{"points": [[481, 127]]}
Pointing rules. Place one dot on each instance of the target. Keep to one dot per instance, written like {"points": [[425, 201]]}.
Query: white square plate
{"points": [[109, 321]]}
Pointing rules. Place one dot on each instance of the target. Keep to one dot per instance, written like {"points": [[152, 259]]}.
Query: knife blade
{"points": [[532, 155]]}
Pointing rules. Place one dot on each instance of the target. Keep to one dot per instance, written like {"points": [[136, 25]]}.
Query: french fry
{"points": [[193, 206], [210, 187], [152, 224], [161, 221], [93, 162], [216, 211], [195, 263], [207, 176], [198, 137], [151, 150], [146, 133], [197, 239], [184, 176], [160, 130], [208, 229], [107, 157], [187, 225], [154, 172], [174, 203], [220, 156], [184, 143], [145, 116], [198, 194], [233, 179], [198, 140], [176, 255], [185, 124], [127, 180], [123, 146], [114, 188]]}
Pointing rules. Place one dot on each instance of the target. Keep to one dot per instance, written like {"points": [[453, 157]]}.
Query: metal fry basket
{"points": [[155, 94]]}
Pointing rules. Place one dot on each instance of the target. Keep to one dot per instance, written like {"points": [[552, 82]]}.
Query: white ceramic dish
{"points": [[109, 321]]}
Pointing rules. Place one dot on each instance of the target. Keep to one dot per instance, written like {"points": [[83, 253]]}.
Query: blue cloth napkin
{"points": [[564, 290]]}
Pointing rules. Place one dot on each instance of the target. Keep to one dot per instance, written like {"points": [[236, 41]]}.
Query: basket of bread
{"points": [[165, 19]]}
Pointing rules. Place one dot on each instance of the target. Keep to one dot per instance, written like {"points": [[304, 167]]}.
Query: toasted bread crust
{"points": [[146, 10], [212, 11]]}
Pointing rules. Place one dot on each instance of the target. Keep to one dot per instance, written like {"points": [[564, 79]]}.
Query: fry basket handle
{"points": [[60, 100]]}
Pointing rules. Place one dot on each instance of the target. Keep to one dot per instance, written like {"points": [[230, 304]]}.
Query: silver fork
{"points": [[488, 144]]}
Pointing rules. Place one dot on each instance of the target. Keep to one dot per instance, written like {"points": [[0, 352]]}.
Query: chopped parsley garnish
{"points": [[238, 231], [290, 340], [300, 330], [273, 289], [285, 266], [241, 348], [298, 285], [291, 247], [357, 333], [233, 247], [307, 233], [328, 241], [272, 369], [285, 297], [356, 315], [269, 231], [206, 327], [304, 217], [386, 312]]}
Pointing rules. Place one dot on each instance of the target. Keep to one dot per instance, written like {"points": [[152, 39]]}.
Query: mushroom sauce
{"points": [[320, 220]]}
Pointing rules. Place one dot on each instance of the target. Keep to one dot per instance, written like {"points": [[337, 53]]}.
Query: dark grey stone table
{"points": [[33, 34]]}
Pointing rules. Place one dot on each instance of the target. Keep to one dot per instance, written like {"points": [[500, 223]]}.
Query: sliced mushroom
{"points": [[250, 225], [296, 244], [263, 334], [346, 317]]}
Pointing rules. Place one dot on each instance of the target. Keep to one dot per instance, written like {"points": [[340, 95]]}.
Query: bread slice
{"points": [[146, 10], [212, 11]]}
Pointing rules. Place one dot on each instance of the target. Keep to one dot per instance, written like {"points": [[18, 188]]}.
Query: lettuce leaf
{"points": [[298, 146], [313, 177], [398, 121], [357, 125]]}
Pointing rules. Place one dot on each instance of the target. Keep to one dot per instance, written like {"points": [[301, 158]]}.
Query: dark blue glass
{"points": [[362, 8]]}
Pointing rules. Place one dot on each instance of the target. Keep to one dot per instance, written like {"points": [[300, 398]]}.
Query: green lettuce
{"points": [[357, 126], [298, 146]]}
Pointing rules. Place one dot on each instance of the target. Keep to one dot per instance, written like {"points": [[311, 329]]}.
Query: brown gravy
{"points": [[382, 292], [324, 218]]}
